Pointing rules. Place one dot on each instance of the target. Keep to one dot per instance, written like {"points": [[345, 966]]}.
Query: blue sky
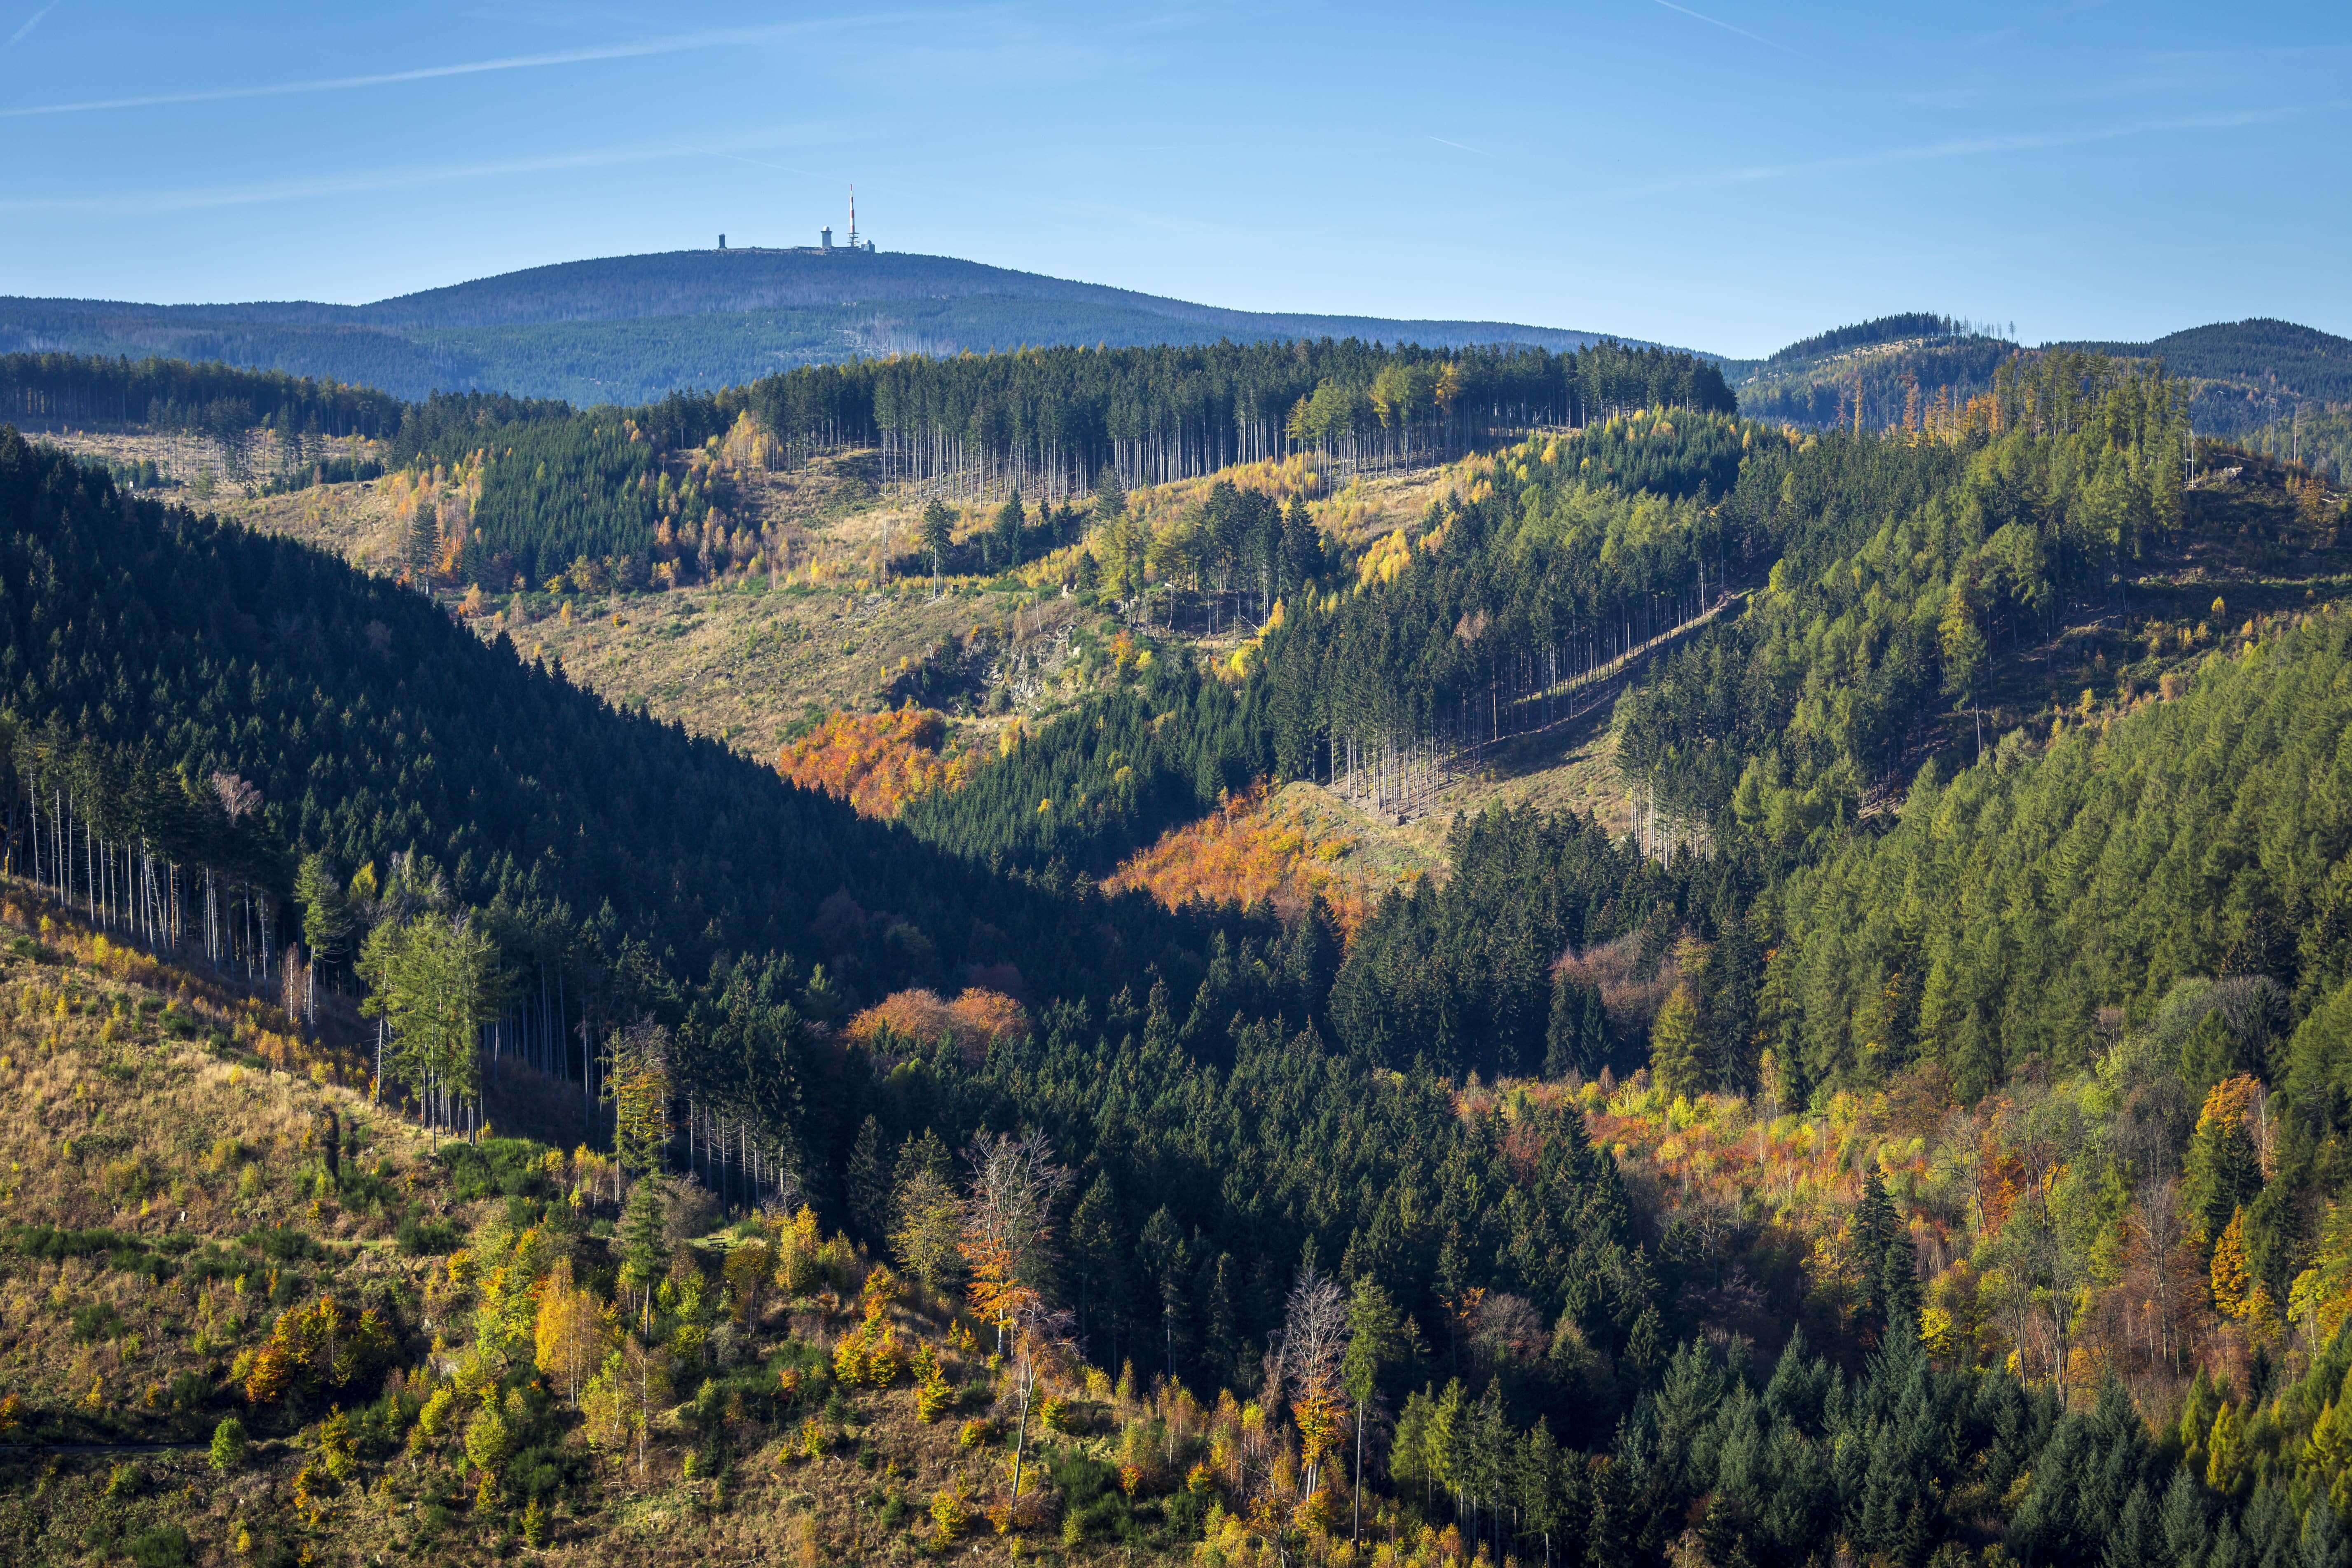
{"points": [[1727, 174]]}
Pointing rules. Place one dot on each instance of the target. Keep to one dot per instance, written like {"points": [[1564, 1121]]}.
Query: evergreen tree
{"points": [[938, 537], [1576, 1035], [1609, 1537], [1161, 1251], [1095, 1256], [1676, 1047], [645, 1251], [1110, 496], [326, 908], [866, 1182], [2182, 1519], [1006, 541], [422, 546], [1375, 1337], [2137, 1540], [1888, 1263]]}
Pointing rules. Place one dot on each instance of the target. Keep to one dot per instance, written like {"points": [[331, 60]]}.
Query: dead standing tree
{"points": [[1008, 1246]]}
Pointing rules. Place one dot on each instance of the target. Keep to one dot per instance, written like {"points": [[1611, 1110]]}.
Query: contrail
{"points": [[32, 22], [676, 44], [1711, 22]]}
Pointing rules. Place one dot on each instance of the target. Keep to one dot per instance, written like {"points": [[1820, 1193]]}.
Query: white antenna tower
{"points": [[853, 218]]}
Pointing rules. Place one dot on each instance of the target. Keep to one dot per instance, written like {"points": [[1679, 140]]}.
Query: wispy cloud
{"points": [[678, 43], [30, 23], [365, 182], [764, 163], [1971, 147], [1717, 22]]}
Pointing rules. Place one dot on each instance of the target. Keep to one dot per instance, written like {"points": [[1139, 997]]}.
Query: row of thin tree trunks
{"points": [[947, 465], [34, 408], [163, 906], [1400, 777], [732, 1158], [126, 889], [728, 1153]]}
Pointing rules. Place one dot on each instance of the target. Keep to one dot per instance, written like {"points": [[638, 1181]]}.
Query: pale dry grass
{"points": [[109, 1122]]}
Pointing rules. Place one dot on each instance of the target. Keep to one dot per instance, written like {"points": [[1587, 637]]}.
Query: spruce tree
{"points": [[1576, 1036], [645, 1251], [1095, 1257], [1675, 1046], [868, 1182], [1887, 1262], [1005, 539], [2182, 1519], [938, 537], [1110, 496]]}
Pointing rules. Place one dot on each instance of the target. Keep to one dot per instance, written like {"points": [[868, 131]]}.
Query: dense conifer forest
{"points": [[1917, 1140], [47, 390]]}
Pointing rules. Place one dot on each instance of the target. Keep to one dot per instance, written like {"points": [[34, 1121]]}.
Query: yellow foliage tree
{"points": [[2237, 1292], [2225, 1449], [574, 1333], [745, 1272], [798, 1266]]}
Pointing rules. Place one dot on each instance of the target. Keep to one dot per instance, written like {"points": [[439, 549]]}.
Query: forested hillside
{"points": [[2200, 836], [2315, 437], [1916, 1141], [1909, 566], [2236, 376], [2245, 374], [628, 496], [1873, 382]]}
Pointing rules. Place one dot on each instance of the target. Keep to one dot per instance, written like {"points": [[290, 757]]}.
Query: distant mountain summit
{"points": [[624, 329], [715, 282]]}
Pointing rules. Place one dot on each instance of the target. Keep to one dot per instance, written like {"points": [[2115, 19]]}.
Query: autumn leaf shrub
{"points": [[321, 1345], [1249, 851], [876, 762], [976, 1020]]}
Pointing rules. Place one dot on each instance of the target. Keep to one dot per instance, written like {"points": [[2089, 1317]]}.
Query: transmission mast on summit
{"points": [[853, 218]]}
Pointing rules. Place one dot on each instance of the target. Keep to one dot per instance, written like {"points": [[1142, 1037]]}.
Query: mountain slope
{"points": [[2237, 376], [1985, 1200], [371, 725], [2246, 373], [2300, 359], [628, 329]]}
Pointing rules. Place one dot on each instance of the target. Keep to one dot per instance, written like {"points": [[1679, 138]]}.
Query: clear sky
{"points": [[1728, 173]]}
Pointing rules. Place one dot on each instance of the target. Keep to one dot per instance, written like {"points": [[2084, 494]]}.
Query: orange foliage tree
{"points": [[876, 762], [1244, 853], [975, 1020]]}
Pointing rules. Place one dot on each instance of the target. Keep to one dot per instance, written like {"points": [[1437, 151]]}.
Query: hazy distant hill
{"points": [[1813, 382], [2240, 374], [2247, 373], [626, 329]]}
